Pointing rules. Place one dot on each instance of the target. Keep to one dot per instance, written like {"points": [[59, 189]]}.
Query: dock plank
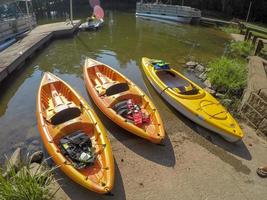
{"points": [[217, 21], [15, 55]]}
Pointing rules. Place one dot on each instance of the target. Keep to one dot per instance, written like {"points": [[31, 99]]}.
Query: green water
{"points": [[121, 43]]}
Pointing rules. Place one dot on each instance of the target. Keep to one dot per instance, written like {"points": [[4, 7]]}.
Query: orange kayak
{"points": [[61, 112], [110, 90]]}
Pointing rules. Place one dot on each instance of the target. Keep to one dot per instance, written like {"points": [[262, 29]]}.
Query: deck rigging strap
{"points": [[164, 90]]}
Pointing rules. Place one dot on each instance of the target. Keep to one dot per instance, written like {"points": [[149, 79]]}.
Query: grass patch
{"points": [[230, 29], [228, 75], [239, 49], [26, 185]]}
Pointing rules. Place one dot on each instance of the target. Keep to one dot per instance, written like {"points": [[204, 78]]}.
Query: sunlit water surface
{"points": [[121, 43]]}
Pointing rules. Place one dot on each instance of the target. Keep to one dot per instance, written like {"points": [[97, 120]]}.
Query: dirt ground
{"points": [[192, 164], [237, 37]]}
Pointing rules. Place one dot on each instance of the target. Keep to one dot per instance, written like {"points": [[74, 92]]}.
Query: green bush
{"points": [[25, 185], [230, 29], [238, 49], [228, 75]]}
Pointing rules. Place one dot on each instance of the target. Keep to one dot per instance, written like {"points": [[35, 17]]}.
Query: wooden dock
{"points": [[15, 56], [216, 22]]}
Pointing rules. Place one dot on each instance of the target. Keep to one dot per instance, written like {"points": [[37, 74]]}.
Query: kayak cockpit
{"points": [[124, 99], [74, 136], [59, 108], [177, 83], [106, 82]]}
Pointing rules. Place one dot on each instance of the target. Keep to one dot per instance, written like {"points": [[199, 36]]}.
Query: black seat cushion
{"points": [[117, 88], [65, 115]]}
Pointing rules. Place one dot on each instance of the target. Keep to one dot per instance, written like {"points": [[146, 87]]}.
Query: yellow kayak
{"points": [[191, 100]]}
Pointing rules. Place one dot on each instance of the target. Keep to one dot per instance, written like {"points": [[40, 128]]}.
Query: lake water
{"points": [[121, 43]]}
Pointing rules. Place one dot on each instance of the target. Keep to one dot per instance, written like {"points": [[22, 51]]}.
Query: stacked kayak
{"points": [[191, 100], [74, 136], [94, 24], [122, 101]]}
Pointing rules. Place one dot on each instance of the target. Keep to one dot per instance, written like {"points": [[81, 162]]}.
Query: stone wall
{"points": [[254, 103]]}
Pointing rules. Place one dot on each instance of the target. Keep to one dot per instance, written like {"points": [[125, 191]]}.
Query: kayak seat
{"points": [[177, 83], [65, 115], [117, 88], [60, 109], [107, 86]]}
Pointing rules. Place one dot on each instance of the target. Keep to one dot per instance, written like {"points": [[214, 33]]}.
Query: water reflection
{"points": [[121, 43]]}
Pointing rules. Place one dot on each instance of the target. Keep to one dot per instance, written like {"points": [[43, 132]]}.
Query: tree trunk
{"points": [[223, 5]]}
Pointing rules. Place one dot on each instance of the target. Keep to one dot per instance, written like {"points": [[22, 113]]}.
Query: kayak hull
{"points": [[92, 26], [198, 117], [178, 19], [89, 123], [154, 132]]}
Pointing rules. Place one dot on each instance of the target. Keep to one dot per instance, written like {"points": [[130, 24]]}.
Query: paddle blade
{"points": [[98, 12], [94, 3]]}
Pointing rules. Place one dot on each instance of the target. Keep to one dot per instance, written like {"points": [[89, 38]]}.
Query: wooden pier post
{"points": [[246, 34], [71, 13], [254, 40], [259, 47]]}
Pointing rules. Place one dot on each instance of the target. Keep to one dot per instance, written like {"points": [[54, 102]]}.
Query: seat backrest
{"points": [[60, 109], [117, 88], [65, 115]]}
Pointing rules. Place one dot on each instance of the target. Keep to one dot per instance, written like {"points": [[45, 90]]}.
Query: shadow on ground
{"points": [[77, 192], [239, 149], [211, 141], [160, 154]]}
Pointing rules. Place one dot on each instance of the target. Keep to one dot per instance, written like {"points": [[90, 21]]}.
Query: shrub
{"points": [[26, 185], [237, 49], [230, 29], [228, 75]]}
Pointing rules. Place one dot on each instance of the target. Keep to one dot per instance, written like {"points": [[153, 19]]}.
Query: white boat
{"points": [[93, 25], [176, 13], [13, 21]]}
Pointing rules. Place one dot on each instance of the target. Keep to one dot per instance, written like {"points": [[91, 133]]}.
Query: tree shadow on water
{"points": [[77, 192], [162, 154]]}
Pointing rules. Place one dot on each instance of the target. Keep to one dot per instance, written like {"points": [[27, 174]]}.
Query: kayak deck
{"points": [[171, 79], [117, 88], [192, 101], [61, 112]]}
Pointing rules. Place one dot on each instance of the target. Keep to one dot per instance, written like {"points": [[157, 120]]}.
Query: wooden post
{"points": [[27, 8], [249, 35], [71, 13], [249, 11], [29, 21], [246, 34], [258, 48], [254, 39], [241, 27]]}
